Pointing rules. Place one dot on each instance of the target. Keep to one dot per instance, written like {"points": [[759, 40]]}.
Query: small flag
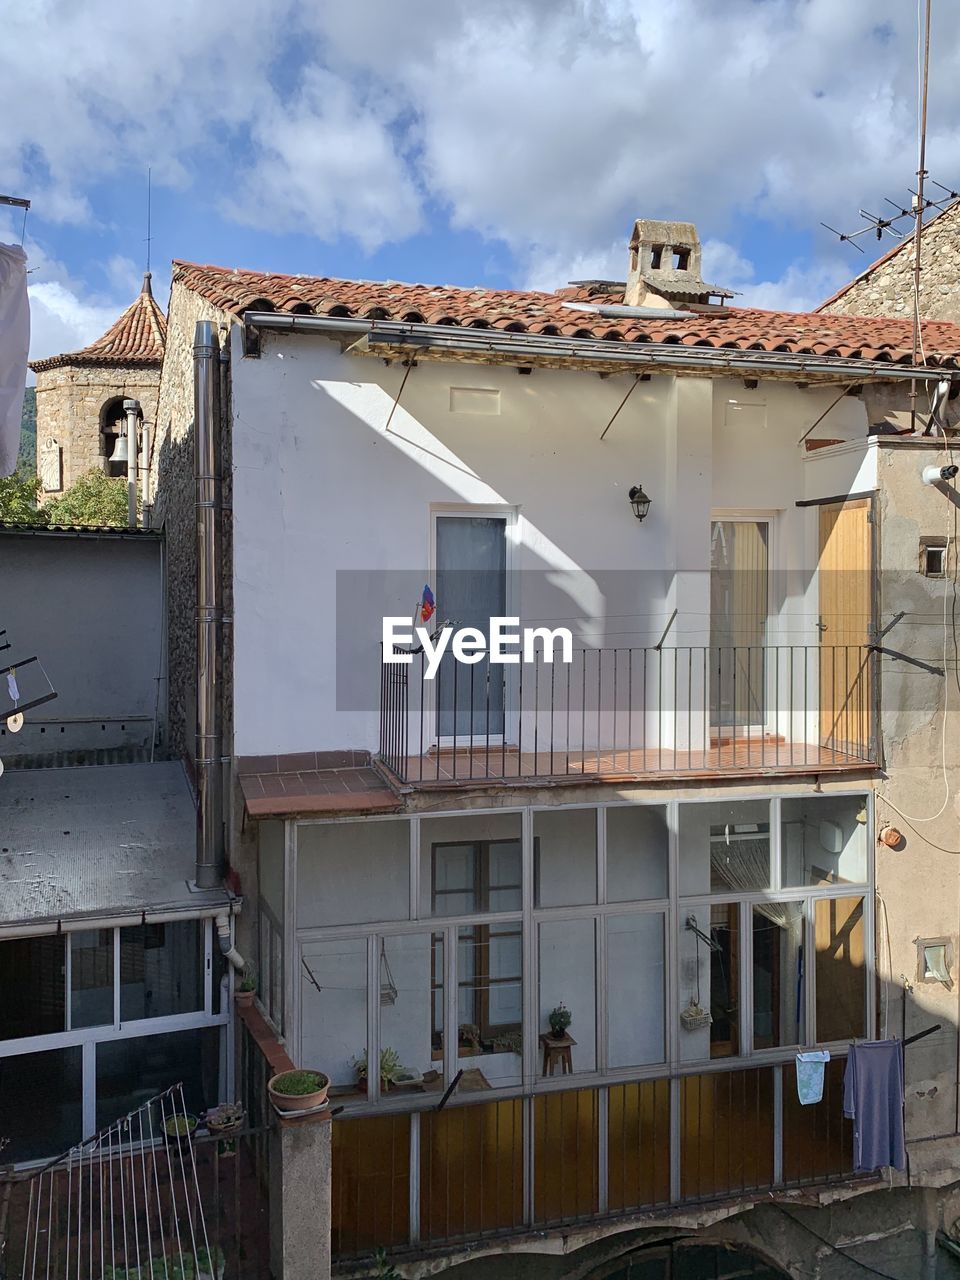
{"points": [[427, 605]]}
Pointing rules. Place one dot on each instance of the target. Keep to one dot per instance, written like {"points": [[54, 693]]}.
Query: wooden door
{"points": [[846, 618]]}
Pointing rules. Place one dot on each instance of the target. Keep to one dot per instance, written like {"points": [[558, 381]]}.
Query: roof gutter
{"points": [[370, 337]]}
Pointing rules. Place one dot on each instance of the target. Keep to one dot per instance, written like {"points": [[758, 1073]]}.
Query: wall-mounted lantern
{"points": [[639, 501]]}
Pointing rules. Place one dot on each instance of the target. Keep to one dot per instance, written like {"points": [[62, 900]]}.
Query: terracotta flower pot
{"points": [[298, 1101], [244, 998]]}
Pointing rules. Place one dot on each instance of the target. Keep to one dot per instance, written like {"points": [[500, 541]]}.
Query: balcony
{"points": [[631, 714]]}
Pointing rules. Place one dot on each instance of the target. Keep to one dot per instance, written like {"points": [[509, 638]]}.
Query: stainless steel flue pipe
{"points": [[206, 457]]}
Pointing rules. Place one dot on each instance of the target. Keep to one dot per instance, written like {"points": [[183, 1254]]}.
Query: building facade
{"points": [[672, 838]]}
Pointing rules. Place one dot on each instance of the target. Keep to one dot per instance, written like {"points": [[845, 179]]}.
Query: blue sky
{"points": [[489, 142]]}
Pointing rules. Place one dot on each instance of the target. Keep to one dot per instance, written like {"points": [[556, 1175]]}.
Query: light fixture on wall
{"points": [[639, 501]]}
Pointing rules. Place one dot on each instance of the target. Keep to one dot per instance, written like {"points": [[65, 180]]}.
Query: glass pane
{"points": [[568, 951], [91, 978], [636, 853], [161, 970], [817, 1137], [32, 979], [841, 976], [470, 864], [725, 848], [333, 1003], [131, 1072], [353, 873], [709, 983], [370, 1185], [489, 1003], [411, 1011], [638, 1144], [472, 589], [726, 1132], [565, 857], [823, 840], [635, 990], [471, 1170], [778, 986], [41, 1103], [565, 1135]]}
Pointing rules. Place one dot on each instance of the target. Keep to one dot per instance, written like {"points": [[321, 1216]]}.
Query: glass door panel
{"points": [[739, 609], [471, 589]]}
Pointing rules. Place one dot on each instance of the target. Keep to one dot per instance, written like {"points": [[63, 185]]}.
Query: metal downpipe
{"points": [[206, 374]]}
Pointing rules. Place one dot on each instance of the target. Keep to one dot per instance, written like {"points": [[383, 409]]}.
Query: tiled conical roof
{"points": [[136, 338]]}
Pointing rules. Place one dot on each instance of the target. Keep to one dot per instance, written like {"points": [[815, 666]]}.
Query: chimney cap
{"points": [[665, 265]]}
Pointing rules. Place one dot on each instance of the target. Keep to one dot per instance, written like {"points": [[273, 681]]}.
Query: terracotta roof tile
{"points": [[732, 328], [136, 338]]}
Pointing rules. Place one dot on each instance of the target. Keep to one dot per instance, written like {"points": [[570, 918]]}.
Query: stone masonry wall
{"points": [[886, 289], [69, 401], [173, 506]]}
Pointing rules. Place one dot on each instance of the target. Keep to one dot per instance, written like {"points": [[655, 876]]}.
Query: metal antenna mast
{"points": [[921, 174], [148, 220]]}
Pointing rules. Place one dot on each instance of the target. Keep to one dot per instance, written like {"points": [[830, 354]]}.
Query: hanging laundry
{"points": [[12, 689], [14, 348], [810, 1068], [873, 1100]]}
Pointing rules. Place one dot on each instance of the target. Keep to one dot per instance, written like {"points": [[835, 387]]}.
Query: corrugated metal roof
{"points": [[98, 841], [78, 530]]}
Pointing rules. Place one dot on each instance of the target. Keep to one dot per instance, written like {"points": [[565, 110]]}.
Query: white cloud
{"points": [[326, 162], [544, 126]]}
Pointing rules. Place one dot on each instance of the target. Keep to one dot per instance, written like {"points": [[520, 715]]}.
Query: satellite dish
{"points": [[15, 722]]}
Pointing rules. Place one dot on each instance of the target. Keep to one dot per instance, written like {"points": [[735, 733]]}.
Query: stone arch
{"points": [[111, 418], [688, 1256]]}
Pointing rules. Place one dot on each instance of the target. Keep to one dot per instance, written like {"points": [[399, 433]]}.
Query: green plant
{"points": [[296, 1084], [179, 1126], [249, 980], [18, 499], [385, 1268], [93, 499], [390, 1065], [559, 1019]]}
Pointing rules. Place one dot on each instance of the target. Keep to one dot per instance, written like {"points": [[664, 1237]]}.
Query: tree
{"points": [[18, 499], [93, 499]]}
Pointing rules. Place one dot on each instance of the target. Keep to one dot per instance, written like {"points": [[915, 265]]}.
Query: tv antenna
{"points": [[919, 204]]}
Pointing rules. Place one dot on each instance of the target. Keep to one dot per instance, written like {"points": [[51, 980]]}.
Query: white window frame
{"points": [[87, 1038], [511, 517]]}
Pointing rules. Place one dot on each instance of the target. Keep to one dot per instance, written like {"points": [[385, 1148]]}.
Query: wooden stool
{"points": [[555, 1051]]}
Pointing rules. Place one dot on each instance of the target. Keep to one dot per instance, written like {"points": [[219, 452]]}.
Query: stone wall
{"points": [[886, 288], [173, 507], [69, 401]]}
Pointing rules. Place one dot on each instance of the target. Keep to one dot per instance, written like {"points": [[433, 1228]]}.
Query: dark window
{"points": [[656, 256], [32, 982], [161, 970]]}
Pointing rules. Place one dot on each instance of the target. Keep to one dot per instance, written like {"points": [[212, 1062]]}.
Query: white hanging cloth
{"points": [[14, 348]]}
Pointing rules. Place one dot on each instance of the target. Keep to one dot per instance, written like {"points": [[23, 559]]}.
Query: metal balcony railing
{"points": [[631, 712]]}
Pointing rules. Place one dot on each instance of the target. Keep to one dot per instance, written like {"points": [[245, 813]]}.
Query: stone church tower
{"points": [[80, 396]]}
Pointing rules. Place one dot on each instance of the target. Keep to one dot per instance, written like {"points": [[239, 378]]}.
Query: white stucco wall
{"points": [[320, 485]]}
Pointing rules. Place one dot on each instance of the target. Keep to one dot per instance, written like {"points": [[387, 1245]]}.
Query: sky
{"points": [[500, 143]]}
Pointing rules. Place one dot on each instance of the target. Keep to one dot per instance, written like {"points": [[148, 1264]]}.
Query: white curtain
{"points": [[14, 347], [743, 864]]}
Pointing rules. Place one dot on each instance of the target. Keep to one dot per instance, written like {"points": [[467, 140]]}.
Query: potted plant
{"points": [[211, 1263], [298, 1090], [227, 1118], [245, 990], [180, 1127], [559, 1019], [391, 1069]]}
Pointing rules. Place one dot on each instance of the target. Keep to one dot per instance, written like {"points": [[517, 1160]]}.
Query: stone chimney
{"points": [[665, 267]]}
